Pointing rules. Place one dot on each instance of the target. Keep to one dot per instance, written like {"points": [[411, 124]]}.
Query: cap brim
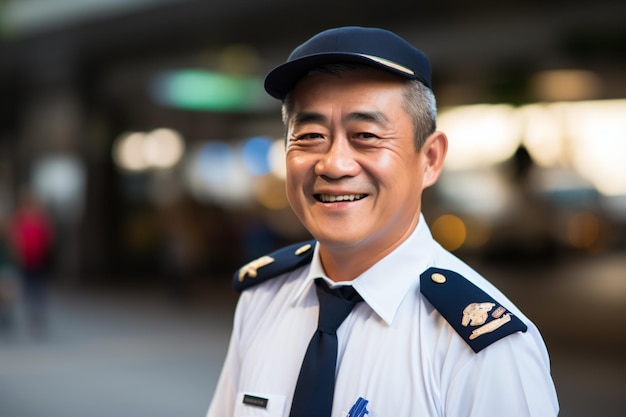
{"points": [[283, 78]]}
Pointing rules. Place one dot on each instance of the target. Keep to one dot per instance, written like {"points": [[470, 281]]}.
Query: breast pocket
{"points": [[251, 404]]}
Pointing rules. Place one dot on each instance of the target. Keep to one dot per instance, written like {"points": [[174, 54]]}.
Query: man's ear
{"points": [[434, 151]]}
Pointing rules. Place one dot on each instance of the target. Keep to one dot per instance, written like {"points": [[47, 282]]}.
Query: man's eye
{"points": [[365, 135], [309, 136]]}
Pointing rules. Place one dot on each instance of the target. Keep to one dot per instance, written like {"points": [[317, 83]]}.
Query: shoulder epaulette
{"points": [[477, 317], [272, 265]]}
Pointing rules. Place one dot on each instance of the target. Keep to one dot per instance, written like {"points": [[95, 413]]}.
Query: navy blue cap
{"points": [[375, 47]]}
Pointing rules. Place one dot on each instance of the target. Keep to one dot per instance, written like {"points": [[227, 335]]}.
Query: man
{"points": [[431, 337]]}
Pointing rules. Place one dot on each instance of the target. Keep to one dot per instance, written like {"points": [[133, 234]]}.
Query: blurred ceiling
{"points": [[491, 42]]}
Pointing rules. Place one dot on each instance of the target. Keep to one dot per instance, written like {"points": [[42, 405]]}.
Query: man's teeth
{"points": [[325, 198]]}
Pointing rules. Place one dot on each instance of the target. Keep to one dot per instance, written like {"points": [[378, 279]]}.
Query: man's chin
{"points": [[338, 243]]}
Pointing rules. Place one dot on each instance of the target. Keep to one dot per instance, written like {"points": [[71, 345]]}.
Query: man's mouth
{"points": [[327, 198]]}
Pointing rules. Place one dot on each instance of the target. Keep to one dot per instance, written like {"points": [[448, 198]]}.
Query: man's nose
{"points": [[338, 161]]}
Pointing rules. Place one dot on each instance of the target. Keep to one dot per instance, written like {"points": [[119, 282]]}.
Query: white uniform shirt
{"points": [[395, 349]]}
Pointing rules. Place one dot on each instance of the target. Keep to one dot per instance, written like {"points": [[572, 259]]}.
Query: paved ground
{"points": [[115, 354], [132, 352]]}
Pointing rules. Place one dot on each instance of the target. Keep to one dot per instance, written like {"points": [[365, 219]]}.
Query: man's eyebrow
{"points": [[363, 116], [368, 116], [308, 117]]}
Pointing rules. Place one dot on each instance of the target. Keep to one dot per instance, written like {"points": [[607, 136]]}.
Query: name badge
{"points": [[255, 401]]}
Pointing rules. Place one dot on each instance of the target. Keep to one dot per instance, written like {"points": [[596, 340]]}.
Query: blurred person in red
{"points": [[31, 236]]}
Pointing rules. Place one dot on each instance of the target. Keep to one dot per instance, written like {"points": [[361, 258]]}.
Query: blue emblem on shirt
{"points": [[477, 318]]}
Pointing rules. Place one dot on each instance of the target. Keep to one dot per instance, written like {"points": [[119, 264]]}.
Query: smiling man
{"points": [[372, 316]]}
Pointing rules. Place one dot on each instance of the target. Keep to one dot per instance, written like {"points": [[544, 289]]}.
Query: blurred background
{"points": [[141, 164]]}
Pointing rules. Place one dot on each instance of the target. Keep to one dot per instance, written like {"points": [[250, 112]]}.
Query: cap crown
{"points": [[375, 47]]}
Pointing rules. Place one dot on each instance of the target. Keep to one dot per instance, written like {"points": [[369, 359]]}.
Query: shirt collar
{"points": [[386, 283], [315, 271]]}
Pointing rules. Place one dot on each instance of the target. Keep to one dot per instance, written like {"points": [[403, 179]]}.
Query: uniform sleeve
{"points": [[509, 378], [223, 402]]}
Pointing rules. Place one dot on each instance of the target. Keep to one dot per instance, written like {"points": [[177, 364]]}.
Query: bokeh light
{"points": [[598, 135], [216, 173], [255, 154], [270, 192], [59, 179], [449, 231], [583, 230], [543, 133], [480, 135], [138, 151], [277, 159], [128, 152], [565, 84], [163, 148], [207, 91]]}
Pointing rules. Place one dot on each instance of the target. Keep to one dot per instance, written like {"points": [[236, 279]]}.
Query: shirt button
{"points": [[438, 278]]}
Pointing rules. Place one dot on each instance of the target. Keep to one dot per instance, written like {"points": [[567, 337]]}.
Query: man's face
{"points": [[354, 176]]}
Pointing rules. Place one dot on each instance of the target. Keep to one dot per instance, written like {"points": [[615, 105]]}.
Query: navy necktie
{"points": [[313, 396]]}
